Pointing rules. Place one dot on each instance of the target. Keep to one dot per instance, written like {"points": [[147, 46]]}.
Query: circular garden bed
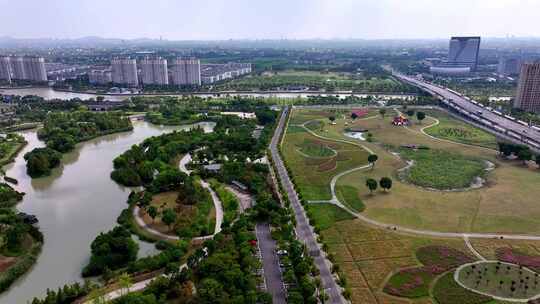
{"points": [[499, 279]]}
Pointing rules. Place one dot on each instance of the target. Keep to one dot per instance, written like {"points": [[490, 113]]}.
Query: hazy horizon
{"points": [[279, 19]]}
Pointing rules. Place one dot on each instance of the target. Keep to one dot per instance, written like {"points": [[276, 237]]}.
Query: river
{"points": [[49, 93], [73, 205]]}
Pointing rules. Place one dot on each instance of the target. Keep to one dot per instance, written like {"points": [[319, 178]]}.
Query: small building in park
{"points": [[400, 120], [360, 112]]}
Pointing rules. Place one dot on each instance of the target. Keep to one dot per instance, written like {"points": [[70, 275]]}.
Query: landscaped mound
{"points": [[441, 170], [315, 148], [448, 291], [414, 282], [500, 279], [509, 255]]}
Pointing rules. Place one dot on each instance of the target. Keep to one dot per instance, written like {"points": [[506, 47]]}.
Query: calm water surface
{"points": [[73, 205]]}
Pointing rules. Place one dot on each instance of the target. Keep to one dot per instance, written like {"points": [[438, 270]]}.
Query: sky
{"points": [[268, 19]]}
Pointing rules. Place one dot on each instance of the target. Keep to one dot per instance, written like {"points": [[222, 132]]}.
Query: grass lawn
{"points": [[350, 197], [454, 130], [326, 215], [315, 148], [447, 291], [487, 277], [313, 166], [507, 203], [441, 170]]}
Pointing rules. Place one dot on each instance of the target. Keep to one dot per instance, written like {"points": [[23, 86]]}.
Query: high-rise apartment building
{"points": [[464, 52], [17, 68], [99, 77], [34, 68], [509, 65], [186, 71], [154, 71], [23, 68], [528, 94], [5, 69], [124, 71]]}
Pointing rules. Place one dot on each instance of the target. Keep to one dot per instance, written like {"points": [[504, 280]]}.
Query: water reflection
{"points": [[73, 205]]}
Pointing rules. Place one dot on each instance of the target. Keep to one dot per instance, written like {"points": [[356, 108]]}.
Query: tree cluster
{"points": [[40, 161], [111, 250]]}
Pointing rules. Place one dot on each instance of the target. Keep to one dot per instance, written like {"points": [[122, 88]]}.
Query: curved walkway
{"points": [[218, 206], [432, 233], [333, 139], [437, 122]]}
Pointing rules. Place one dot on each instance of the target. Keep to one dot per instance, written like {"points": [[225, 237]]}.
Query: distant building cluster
{"points": [[509, 65], [528, 94], [124, 71], [212, 73], [100, 77], [154, 71], [462, 57], [160, 72], [186, 72], [23, 68]]}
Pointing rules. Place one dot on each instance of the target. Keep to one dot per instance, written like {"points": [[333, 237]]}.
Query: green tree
{"points": [[420, 116], [14, 236], [124, 280], [372, 159], [97, 296], [354, 115], [525, 155], [382, 111], [385, 183], [537, 160], [168, 217], [410, 113], [152, 212], [371, 184]]}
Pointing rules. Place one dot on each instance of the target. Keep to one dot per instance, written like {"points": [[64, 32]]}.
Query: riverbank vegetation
{"points": [[62, 131], [110, 251], [10, 146], [20, 240]]}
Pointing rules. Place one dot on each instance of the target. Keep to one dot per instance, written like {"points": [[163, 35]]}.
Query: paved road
{"points": [[304, 231], [270, 260], [459, 100]]}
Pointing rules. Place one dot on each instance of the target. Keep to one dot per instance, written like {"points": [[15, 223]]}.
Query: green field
{"points": [[457, 131], [312, 164], [314, 80], [440, 169], [507, 202]]}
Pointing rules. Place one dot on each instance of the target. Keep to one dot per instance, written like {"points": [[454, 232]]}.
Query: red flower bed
{"points": [[509, 255], [442, 256], [414, 282], [360, 112]]}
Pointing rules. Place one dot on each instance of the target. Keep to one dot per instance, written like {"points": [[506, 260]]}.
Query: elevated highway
{"points": [[498, 123]]}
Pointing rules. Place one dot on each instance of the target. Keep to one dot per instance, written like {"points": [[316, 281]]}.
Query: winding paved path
{"points": [[334, 200]]}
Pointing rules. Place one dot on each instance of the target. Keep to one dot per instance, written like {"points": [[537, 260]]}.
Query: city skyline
{"points": [[301, 19]]}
